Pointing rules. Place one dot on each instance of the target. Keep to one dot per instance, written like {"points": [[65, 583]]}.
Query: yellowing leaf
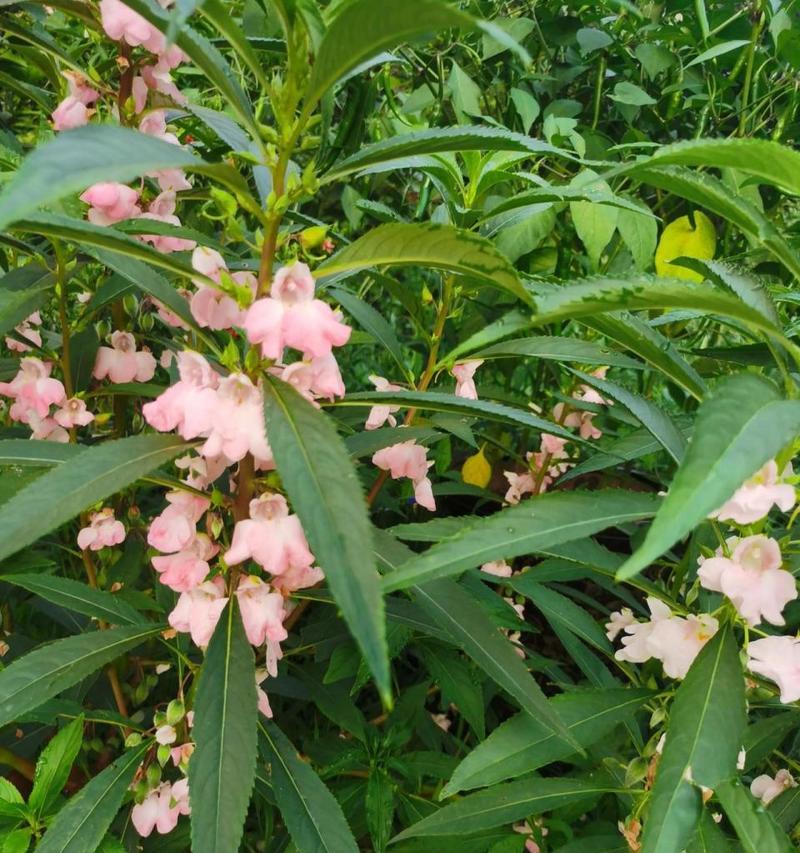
{"points": [[477, 471], [680, 239]]}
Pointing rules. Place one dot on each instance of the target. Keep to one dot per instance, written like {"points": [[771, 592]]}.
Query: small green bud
{"points": [[163, 753], [175, 712], [133, 739], [153, 775]]}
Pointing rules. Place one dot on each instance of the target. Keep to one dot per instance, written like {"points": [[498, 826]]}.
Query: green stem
{"points": [[755, 34]]}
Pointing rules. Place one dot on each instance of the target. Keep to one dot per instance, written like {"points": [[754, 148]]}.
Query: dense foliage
{"points": [[399, 400]]}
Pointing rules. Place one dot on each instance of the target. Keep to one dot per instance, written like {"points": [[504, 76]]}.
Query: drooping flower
{"points": [[237, 422], [262, 611], [198, 610], [211, 307], [188, 568], [27, 332], [175, 529], [161, 808], [408, 459], [380, 414], [319, 377], [33, 390], [121, 23], [757, 495], [618, 621], [464, 373], [752, 578], [292, 317], [778, 659], [272, 537], [121, 362], [73, 412], [519, 485], [186, 405], [162, 209], [73, 111], [766, 788], [46, 429], [104, 531], [111, 202]]}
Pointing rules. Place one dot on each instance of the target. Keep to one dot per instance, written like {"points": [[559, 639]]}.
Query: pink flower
{"points": [[161, 808], [165, 735], [778, 659], [297, 577], [618, 621], [72, 413], [104, 531], [262, 611], [162, 209], [110, 203], [675, 641], [187, 405], [198, 610], [46, 429], [33, 390], [73, 110], [319, 377], [123, 24], [498, 568], [201, 471], [188, 568], [380, 414], [237, 422], [25, 330], [465, 384], [408, 459], [766, 789], [158, 79], [122, 363], [271, 536], [582, 419], [211, 307], [291, 317], [519, 485], [756, 496], [752, 578], [263, 699], [175, 529]]}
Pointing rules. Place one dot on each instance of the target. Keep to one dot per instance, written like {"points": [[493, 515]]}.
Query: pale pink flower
{"points": [[73, 412], [319, 377], [618, 621], [201, 471], [110, 203], [187, 405], [123, 24], [465, 384], [408, 459], [166, 735], [291, 317], [237, 422], [263, 699], [519, 485], [180, 755], [297, 577], [33, 390], [380, 414], [262, 611], [756, 496], [211, 307], [766, 789], [752, 578], [161, 808], [46, 429], [271, 537], [498, 568], [73, 110], [26, 331], [162, 209], [122, 363], [442, 721], [198, 610], [175, 528], [104, 531], [581, 419], [778, 659], [158, 79], [187, 568], [172, 179]]}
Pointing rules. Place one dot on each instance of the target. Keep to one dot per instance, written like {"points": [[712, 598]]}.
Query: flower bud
{"points": [[175, 712], [153, 775], [133, 739], [163, 754]]}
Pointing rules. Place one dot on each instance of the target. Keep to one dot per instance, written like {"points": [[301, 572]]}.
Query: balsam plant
{"points": [[399, 408]]}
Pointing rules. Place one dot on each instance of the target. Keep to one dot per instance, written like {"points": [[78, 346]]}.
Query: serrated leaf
{"points": [[559, 349], [319, 478], [91, 476], [428, 245], [83, 822], [704, 736], [53, 766], [741, 425], [223, 765], [311, 813], [53, 667]]}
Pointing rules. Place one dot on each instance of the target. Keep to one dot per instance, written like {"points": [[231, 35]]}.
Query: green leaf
{"points": [[312, 815], [449, 670], [428, 245], [708, 838], [30, 452], [17, 841], [594, 223], [504, 804], [89, 477], [528, 528], [77, 597], [631, 94], [653, 419], [706, 724], [54, 765], [741, 425], [523, 744], [785, 808], [379, 805], [755, 826], [717, 50], [639, 232], [319, 478], [558, 349], [53, 667], [223, 765], [22, 291], [83, 822], [363, 29], [75, 159]]}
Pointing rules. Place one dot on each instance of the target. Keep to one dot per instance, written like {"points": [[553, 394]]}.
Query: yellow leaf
{"points": [[477, 471], [679, 239]]}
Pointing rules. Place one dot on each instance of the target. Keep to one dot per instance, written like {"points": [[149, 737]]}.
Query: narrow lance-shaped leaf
{"points": [[428, 245], [320, 480], [81, 481], [755, 827], [48, 670], [223, 764], [312, 815], [83, 822], [531, 526], [738, 428], [704, 737], [54, 765], [558, 349]]}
